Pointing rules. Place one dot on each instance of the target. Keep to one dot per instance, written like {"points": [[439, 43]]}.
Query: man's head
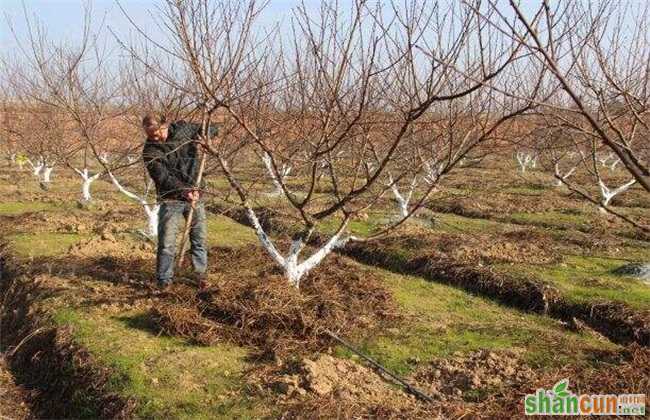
{"points": [[155, 127]]}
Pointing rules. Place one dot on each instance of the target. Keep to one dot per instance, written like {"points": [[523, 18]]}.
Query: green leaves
{"points": [[560, 388]]}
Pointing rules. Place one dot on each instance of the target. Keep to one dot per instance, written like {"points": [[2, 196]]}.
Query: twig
{"points": [[24, 340]]}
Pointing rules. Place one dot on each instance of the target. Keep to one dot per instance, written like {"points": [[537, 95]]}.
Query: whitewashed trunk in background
{"points": [[402, 201], [525, 160], [37, 168], [564, 177], [607, 194], [47, 174], [87, 182], [283, 172]]}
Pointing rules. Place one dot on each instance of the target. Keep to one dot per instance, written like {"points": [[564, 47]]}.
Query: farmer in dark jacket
{"points": [[171, 157]]}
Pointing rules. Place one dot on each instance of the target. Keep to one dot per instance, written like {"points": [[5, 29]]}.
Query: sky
{"points": [[63, 18]]}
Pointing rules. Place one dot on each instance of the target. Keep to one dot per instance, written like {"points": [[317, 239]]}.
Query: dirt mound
{"points": [[469, 378], [331, 385], [327, 375], [260, 309]]}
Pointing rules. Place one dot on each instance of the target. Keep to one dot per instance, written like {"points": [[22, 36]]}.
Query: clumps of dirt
{"points": [[473, 377], [624, 372], [327, 387], [260, 309], [327, 375]]}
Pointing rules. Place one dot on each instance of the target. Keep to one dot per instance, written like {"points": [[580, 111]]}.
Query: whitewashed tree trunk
{"points": [[432, 172], [47, 174], [37, 168], [607, 194], [150, 209], [603, 160], [403, 201], [284, 171], [152, 219], [293, 269], [525, 160], [87, 182], [562, 177]]}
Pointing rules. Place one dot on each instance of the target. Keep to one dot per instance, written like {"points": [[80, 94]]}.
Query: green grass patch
{"points": [[45, 244], [587, 279], [355, 227], [168, 377], [223, 231], [444, 320], [13, 208], [449, 222]]}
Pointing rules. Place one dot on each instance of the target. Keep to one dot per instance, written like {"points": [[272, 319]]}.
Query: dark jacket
{"points": [[173, 164]]}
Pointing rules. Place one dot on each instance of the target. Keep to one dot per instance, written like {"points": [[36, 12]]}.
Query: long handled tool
{"points": [[190, 216], [205, 126]]}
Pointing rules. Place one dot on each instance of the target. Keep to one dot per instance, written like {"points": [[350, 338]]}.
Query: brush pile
{"points": [[260, 309]]}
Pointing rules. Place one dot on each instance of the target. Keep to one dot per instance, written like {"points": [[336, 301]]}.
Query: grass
{"points": [[588, 278], [355, 227], [446, 320], [172, 379], [14, 208], [223, 231], [449, 222], [168, 377], [44, 244]]}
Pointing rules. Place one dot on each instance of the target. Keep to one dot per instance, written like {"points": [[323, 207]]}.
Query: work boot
{"points": [[163, 285], [201, 280]]}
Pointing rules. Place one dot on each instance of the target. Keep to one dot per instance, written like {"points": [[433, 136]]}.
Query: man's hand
{"points": [[192, 196]]}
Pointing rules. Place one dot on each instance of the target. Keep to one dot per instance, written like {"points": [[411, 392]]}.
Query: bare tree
{"points": [[342, 90], [600, 56], [79, 83]]}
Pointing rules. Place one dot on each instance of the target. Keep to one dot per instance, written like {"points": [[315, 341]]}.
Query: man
{"points": [[170, 154]]}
